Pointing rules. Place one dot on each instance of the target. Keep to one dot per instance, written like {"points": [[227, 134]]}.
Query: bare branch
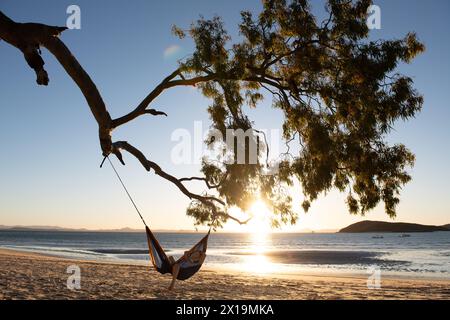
{"points": [[148, 165], [225, 215], [28, 37], [167, 83], [236, 219], [154, 112], [210, 186], [87, 87]]}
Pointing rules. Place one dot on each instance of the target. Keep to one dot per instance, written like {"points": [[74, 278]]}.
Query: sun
{"points": [[259, 228], [260, 222]]}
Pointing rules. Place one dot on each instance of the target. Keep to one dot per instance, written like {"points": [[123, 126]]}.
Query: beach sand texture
{"points": [[33, 276]]}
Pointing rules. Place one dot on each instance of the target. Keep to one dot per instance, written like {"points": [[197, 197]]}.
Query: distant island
{"points": [[382, 226]]}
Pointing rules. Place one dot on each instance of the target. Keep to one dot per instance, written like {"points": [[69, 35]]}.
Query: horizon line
{"points": [[128, 229]]}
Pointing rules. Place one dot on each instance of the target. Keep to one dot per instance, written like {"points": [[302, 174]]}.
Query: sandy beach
{"points": [[34, 276]]}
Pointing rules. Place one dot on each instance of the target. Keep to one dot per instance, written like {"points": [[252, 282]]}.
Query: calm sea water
{"points": [[418, 255]]}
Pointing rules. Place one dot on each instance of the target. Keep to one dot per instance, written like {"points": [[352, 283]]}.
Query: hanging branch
{"points": [[336, 89]]}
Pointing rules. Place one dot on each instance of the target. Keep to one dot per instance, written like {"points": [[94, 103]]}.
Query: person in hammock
{"points": [[192, 257], [181, 269]]}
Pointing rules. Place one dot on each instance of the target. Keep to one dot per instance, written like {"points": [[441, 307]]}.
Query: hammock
{"points": [[188, 266], [188, 263]]}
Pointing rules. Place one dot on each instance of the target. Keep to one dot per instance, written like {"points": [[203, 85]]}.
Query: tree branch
{"points": [[241, 222], [148, 165], [87, 87], [210, 186], [28, 37], [154, 112], [167, 83]]}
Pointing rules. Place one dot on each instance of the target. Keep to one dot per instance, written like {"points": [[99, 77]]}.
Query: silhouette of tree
{"points": [[339, 92]]}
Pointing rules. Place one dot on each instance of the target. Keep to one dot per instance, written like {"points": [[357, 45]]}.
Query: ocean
{"points": [[424, 255]]}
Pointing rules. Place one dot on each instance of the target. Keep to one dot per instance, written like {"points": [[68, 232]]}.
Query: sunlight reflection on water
{"points": [[256, 261]]}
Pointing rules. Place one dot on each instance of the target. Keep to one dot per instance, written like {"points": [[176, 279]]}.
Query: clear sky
{"points": [[50, 155]]}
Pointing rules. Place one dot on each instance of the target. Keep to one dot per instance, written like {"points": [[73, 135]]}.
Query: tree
{"points": [[339, 92]]}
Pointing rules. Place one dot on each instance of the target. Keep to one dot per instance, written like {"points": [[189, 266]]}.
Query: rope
{"points": [[126, 190], [131, 198]]}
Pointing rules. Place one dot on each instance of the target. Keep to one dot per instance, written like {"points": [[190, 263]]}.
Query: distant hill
{"points": [[55, 228], [381, 226]]}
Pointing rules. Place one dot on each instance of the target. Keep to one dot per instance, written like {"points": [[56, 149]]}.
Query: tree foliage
{"points": [[338, 90]]}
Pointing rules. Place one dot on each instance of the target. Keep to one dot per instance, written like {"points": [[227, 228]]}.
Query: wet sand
{"points": [[34, 276], [322, 257]]}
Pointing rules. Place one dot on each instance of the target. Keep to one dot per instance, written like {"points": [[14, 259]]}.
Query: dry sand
{"points": [[33, 276]]}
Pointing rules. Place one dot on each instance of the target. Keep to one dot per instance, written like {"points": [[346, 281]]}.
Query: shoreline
{"points": [[35, 276], [283, 271]]}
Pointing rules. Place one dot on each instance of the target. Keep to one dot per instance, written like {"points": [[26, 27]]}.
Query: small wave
{"points": [[52, 250]]}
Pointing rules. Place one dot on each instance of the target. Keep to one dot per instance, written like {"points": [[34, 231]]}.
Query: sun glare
{"points": [[259, 228], [260, 222], [255, 257]]}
